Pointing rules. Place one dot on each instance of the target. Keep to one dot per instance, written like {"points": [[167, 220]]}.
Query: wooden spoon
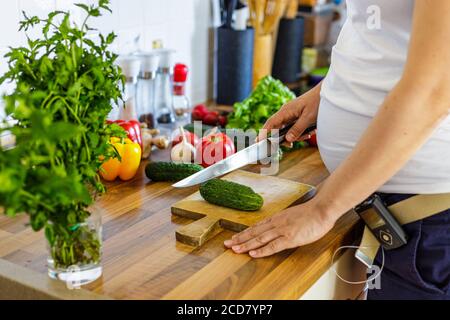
{"points": [[260, 6], [292, 9], [274, 12]]}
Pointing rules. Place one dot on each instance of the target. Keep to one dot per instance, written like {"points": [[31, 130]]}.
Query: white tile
{"points": [[181, 10], [130, 13], [39, 8], [202, 12], [76, 14], [125, 40], [6, 87], [200, 77], [9, 23], [108, 22], [156, 11], [180, 35]]}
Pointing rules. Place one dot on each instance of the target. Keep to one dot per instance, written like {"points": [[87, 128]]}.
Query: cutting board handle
{"points": [[198, 232]]}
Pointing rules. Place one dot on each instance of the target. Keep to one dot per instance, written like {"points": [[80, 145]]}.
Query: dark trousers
{"points": [[420, 269]]}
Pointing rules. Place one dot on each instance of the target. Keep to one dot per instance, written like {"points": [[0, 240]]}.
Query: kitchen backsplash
{"points": [[183, 25]]}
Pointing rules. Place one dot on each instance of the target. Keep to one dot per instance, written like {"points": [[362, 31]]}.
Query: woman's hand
{"points": [[293, 227], [303, 110]]}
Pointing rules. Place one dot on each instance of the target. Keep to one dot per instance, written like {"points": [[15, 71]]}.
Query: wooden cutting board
{"points": [[278, 194]]}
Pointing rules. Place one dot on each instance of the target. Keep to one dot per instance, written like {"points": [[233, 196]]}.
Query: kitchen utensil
{"points": [[274, 11], [165, 115], [127, 110], [230, 9], [278, 194], [180, 101], [260, 7], [292, 9], [262, 57], [258, 151], [146, 88], [223, 11], [241, 17], [251, 9]]}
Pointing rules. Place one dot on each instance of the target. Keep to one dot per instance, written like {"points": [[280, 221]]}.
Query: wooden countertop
{"points": [[142, 259]]}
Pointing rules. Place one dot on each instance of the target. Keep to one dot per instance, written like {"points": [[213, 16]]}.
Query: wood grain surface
{"points": [[143, 260]]}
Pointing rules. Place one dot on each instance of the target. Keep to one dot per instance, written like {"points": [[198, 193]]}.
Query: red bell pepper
{"points": [[133, 129]]}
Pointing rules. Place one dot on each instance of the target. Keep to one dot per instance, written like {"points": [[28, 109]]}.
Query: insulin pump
{"points": [[382, 223]]}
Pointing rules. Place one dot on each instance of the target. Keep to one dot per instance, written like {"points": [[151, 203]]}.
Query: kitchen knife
{"points": [[231, 7], [251, 154]]}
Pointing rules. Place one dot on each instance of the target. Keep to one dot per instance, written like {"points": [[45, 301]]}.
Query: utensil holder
{"points": [[287, 64], [263, 55], [234, 65]]}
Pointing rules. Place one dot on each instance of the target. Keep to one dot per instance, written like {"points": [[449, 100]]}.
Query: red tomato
{"points": [[199, 112], [214, 148], [313, 140], [190, 137], [223, 121], [212, 118]]}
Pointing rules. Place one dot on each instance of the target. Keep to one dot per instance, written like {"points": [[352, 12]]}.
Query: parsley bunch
{"points": [[65, 84]]}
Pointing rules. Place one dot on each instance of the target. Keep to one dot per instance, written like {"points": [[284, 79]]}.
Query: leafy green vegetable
{"points": [[65, 83], [267, 98]]}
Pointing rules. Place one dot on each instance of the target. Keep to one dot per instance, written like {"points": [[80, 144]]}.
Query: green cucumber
{"points": [[231, 194], [169, 171]]}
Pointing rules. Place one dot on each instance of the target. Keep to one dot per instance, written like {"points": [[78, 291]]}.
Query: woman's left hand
{"points": [[293, 227]]}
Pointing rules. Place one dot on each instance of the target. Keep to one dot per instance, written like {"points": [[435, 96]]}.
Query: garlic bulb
{"points": [[184, 152]]}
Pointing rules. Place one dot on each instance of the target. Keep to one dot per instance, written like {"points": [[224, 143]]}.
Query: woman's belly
{"points": [[428, 171]]}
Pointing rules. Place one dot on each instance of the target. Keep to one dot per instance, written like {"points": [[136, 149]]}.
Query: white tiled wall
{"points": [[181, 24]]}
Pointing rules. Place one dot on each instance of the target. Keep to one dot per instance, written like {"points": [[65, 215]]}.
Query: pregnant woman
{"points": [[383, 127]]}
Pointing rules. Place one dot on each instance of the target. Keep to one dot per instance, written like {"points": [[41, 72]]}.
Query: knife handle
{"points": [[282, 133]]}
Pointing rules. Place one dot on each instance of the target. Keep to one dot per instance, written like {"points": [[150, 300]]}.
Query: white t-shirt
{"points": [[367, 62]]}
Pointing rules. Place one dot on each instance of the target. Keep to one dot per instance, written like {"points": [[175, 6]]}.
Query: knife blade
{"points": [[249, 155]]}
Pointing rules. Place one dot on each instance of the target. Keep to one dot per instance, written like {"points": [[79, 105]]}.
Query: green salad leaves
{"points": [[267, 98]]}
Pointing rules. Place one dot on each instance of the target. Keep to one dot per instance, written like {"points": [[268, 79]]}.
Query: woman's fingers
{"points": [[250, 233], [304, 137], [297, 130], [277, 245], [289, 112], [257, 242]]}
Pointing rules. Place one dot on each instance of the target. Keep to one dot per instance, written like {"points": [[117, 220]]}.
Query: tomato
{"points": [[223, 120], [214, 148], [313, 140], [199, 112], [190, 137], [212, 118]]}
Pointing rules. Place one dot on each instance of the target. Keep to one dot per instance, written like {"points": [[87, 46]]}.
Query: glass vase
{"points": [[75, 254]]}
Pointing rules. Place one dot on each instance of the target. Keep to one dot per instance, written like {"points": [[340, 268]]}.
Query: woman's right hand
{"points": [[303, 110]]}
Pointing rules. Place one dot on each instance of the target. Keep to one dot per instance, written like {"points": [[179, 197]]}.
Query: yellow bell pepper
{"points": [[130, 153]]}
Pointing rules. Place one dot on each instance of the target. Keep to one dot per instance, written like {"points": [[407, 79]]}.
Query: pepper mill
{"points": [[147, 88], [130, 66]]}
